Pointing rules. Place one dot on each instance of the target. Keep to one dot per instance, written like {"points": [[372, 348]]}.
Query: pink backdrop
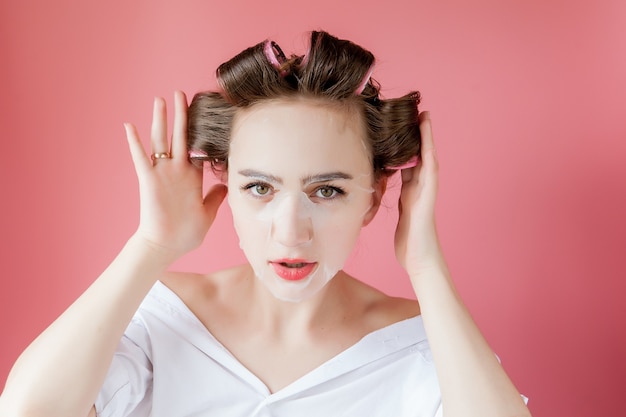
{"points": [[527, 100]]}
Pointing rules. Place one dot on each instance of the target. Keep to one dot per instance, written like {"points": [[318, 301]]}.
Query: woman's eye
{"points": [[260, 189], [328, 192]]}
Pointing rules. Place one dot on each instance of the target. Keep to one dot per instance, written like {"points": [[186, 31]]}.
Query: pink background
{"points": [[527, 100]]}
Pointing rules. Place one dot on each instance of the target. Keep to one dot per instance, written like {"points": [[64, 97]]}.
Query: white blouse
{"points": [[169, 365]]}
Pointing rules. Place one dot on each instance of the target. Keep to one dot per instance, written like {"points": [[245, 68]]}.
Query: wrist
{"points": [[431, 269], [145, 247]]}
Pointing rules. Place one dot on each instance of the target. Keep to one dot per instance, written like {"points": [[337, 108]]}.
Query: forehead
{"points": [[314, 134]]}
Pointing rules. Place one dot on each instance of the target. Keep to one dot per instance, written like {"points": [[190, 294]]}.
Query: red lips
{"points": [[293, 269]]}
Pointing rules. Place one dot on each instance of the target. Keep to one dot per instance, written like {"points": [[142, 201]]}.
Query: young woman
{"points": [[304, 146]]}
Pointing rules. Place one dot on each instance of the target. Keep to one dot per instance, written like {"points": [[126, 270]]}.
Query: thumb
{"points": [[138, 155], [214, 198]]}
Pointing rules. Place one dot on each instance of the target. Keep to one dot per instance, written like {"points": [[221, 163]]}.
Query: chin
{"points": [[294, 299], [297, 291]]}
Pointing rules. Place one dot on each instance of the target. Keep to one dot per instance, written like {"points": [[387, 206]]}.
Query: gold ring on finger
{"points": [[160, 155]]}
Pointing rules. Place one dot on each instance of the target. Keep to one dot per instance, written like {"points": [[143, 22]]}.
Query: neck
{"points": [[326, 306]]}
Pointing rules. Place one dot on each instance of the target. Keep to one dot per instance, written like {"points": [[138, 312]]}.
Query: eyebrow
{"points": [[309, 179]]}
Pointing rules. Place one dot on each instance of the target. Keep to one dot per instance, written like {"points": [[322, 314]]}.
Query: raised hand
{"points": [[174, 216], [416, 242]]}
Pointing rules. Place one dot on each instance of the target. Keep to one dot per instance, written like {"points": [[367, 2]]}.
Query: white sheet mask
{"points": [[296, 227], [291, 146]]}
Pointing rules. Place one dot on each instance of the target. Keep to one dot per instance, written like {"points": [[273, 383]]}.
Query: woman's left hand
{"points": [[416, 242], [471, 380]]}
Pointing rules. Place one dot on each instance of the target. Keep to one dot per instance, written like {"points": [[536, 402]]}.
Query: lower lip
{"points": [[293, 274]]}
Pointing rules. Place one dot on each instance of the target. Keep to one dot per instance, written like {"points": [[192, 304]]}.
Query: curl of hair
{"points": [[335, 70]]}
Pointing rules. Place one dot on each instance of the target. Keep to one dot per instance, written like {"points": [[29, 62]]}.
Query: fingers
{"points": [[429, 171], [179, 134], [158, 134], [427, 149], [137, 153], [426, 170], [426, 131]]}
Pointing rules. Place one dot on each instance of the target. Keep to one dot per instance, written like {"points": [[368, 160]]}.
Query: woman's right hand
{"points": [[62, 371], [174, 216]]}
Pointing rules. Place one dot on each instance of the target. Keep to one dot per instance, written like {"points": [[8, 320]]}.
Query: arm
{"points": [[62, 371], [472, 381]]}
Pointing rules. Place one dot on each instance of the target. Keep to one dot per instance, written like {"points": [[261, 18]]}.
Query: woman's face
{"points": [[300, 189]]}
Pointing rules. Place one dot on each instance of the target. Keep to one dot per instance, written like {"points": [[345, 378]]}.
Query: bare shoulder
{"points": [[197, 289], [184, 283], [380, 309]]}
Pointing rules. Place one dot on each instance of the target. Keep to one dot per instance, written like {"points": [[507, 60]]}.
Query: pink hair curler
{"points": [[197, 154], [275, 55], [366, 79], [408, 164]]}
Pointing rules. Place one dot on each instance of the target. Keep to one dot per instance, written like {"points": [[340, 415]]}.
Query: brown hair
{"points": [[334, 70]]}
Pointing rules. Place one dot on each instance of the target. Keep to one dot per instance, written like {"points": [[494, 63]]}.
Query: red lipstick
{"points": [[293, 269]]}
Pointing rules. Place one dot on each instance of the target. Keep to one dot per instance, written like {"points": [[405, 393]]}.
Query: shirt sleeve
{"points": [[127, 389]]}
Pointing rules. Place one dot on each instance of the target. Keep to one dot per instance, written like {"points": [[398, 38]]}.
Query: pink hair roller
{"points": [[409, 164], [361, 87], [273, 53], [197, 153]]}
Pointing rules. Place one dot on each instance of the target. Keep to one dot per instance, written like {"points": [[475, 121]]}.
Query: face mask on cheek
{"points": [[291, 226]]}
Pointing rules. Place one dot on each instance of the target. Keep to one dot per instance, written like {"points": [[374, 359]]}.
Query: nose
{"points": [[291, 224]]}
